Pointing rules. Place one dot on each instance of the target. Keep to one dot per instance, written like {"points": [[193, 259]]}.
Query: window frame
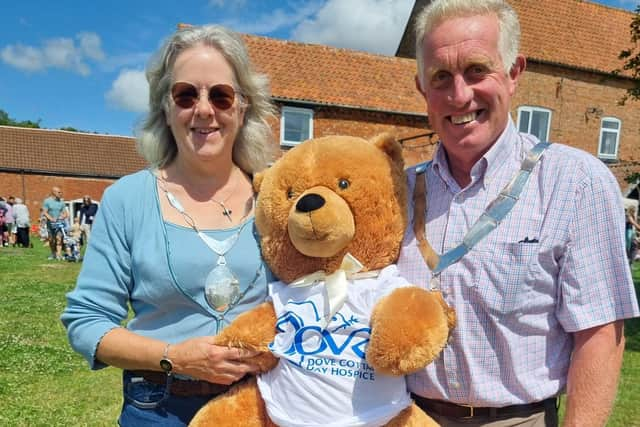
{"points": [[532, 109], [300, 110], [607, 156]]}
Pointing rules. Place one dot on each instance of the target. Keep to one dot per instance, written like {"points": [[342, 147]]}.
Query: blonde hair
{"points": [[253, 147], [438, 11]]}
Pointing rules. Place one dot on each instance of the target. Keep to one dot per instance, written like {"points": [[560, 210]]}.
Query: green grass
{"points": [[44, 383]]}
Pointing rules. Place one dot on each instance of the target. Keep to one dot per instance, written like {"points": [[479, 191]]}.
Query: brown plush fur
{"points": [[364, 190]]}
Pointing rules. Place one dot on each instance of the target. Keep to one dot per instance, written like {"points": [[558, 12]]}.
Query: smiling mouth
{"points": [[202, 131], [465, 118]]}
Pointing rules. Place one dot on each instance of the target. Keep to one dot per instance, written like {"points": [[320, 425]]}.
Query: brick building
{"points": [[568, 94]]}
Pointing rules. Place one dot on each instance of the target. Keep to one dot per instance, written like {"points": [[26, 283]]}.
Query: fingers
{"points": [[239, 354]]}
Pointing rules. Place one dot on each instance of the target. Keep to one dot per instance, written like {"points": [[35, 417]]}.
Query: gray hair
{"points": [[253, 147], [439, 10]]}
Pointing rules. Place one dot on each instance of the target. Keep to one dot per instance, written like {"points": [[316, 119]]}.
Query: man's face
{"points": [[56, 192], [467, 91]]}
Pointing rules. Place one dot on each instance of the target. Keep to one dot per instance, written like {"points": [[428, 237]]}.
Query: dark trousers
{"points": [[22, 237]]}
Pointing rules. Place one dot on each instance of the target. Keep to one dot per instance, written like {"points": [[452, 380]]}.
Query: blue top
{"points": [[53, 207], [135, 257]]}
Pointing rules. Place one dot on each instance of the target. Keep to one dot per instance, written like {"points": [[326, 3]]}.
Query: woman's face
{"points": [[203, 132]]}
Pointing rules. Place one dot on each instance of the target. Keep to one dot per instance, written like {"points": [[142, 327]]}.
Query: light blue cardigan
{"points": [[135, 258]]}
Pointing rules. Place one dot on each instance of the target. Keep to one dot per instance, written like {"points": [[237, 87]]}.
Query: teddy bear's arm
{"points": [[409, 328], [253, 330]]}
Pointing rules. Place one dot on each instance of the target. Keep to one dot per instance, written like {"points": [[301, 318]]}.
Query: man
{"points": [[21, 214], [56, 212], [88, 211], [540, 300]]}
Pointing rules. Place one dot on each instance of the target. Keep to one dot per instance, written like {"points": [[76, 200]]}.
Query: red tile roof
{"points": [[576, 33], [68, 153], [332, 76]]}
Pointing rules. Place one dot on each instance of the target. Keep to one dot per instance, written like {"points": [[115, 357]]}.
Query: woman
{"points": [[177, 241]]}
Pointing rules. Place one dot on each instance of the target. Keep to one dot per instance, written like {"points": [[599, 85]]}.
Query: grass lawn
{"points": [[44, 383]]}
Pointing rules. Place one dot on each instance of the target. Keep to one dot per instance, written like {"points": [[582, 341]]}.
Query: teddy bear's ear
{"points": [[257, 181], [388, 143]]}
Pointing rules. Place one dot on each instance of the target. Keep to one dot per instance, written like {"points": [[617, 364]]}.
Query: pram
{"points": [[70, 245]]}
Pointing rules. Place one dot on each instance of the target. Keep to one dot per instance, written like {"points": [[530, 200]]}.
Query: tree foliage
{"points": [[631, 57], [8, 121]]}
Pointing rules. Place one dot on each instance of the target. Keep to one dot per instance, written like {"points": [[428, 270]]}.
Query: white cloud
{"points": [[61, 52], [370, 25], [91, 46], [130, 91], [276, 19], [23, 57]]}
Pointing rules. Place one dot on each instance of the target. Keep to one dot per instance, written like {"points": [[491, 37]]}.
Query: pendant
{"points": [[221, 288]]}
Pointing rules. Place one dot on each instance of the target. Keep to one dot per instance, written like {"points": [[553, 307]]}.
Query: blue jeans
{"points": [[149, 404]]}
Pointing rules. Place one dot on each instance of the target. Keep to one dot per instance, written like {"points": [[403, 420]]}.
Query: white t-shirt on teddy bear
{"points": [[322, 378]]}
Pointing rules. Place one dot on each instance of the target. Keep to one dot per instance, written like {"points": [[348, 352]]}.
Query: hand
{"points": [[202, 359]]}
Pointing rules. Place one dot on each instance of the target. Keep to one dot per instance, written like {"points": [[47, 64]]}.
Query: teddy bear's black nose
{"points": [[310, 202]]}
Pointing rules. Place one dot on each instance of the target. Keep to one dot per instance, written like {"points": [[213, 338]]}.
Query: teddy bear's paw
{"points": [[409, 329]]}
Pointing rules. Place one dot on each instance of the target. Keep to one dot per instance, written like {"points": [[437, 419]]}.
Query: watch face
{"points": [[166, 365]]}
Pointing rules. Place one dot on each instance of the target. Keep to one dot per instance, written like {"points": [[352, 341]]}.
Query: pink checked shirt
{"points": [[555, 265]]}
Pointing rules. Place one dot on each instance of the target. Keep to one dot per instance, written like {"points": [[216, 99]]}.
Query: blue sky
{"points": [[80, 63]]}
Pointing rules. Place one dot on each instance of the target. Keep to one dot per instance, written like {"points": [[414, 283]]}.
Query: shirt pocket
{"points": [[504, 275]]}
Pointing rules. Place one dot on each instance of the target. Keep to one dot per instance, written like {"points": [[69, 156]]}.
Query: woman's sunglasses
{"points": [[186, 95]]}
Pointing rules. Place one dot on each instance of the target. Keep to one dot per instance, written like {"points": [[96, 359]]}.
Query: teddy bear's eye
{"points": [[290, 193], [343, 184]]}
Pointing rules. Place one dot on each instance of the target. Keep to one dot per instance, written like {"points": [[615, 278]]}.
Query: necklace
{"points": [[225, 211], [221, 287]]}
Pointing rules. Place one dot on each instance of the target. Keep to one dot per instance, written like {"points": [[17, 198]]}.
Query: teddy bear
{"points": [[341, 327]]}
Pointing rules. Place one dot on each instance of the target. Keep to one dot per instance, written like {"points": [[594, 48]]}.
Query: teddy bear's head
{"points": [[328, 197]]}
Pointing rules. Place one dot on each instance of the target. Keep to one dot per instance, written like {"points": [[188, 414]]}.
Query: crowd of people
{"points": [[55, 228], [14, 222]]}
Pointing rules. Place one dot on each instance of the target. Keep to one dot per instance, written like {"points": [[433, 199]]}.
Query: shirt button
{"points": [[455, 384]]}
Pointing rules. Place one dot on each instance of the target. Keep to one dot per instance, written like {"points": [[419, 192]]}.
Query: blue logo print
{"points": [[311, 341]]}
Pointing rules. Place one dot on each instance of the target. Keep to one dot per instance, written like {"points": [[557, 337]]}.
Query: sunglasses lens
{"points": [[185, 95], [222, 96]]}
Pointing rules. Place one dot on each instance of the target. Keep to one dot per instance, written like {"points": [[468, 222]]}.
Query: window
{"points": [[535, 121], [296, 125], [609, 138]]}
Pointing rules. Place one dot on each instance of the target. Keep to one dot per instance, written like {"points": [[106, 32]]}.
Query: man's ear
{"points": [[419, 86], [516, 71]]}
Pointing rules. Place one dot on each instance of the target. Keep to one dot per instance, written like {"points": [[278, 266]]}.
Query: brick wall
{"points": [[366, 124], [568, 94], [33, 189]]}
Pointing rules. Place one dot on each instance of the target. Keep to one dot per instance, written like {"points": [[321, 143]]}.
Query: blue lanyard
{"points": [[495, 212]]}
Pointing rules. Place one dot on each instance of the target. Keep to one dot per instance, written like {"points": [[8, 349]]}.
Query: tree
{"points": [[8, 121], [632, 59]]}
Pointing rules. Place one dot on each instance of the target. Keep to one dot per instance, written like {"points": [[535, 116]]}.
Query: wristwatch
{"points": [[165, 363]]}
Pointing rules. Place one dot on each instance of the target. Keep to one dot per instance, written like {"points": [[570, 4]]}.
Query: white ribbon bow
{"points": [[335, 284]]}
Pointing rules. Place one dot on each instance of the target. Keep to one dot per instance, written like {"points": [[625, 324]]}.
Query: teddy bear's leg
{"points": [[412, 416], [241, 406]]}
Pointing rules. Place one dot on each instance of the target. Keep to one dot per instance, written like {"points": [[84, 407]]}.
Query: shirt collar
{"points": [[486, 166]]}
